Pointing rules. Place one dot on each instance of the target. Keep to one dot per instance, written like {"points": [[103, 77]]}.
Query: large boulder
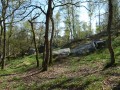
{"points": [[65, 51], [85, 49], [100, 44], [88, 48], [31, 51]]}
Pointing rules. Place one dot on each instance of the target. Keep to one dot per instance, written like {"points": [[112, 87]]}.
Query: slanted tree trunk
{"points": [[34, 40], [109, 33], [47, 46]]}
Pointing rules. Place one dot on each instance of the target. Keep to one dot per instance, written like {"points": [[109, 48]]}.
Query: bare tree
{"points": [[109, 33], [4, 9], [4, 21], [47, 46], [35, 45]]}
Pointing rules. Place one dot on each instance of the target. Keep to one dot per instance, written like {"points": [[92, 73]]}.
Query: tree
{"points": [[5, 15], [4, 9], [91, 9], [57, 22], [110, 17], [52, 34], [56, 28], [46, 59], [1, 34], [35, 45], [70, 7]]}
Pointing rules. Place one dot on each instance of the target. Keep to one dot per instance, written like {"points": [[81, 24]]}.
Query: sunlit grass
{"points": [[90, 81], [20, 65]]}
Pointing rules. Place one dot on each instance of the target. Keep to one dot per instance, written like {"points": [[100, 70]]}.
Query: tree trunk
{"points": [[43, 56], [109, 33], [8, 55], [4, 42], [1, 33], [34, 40], [4, 8], [73, 22], [99, 16], [50, 61], [47, 46], [9, 36], [71, 31]]}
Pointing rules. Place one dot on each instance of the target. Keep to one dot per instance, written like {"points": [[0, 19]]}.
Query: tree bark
{"points": [[4, 8], [109, 33], [47, 46], [1, 33], [52, 20], [4, 41]]}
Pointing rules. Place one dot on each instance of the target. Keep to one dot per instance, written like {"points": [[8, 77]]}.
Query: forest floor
{"points": [[70, 73]]}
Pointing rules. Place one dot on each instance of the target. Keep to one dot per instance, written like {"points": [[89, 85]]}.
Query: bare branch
{"points": [[38, 7], [24, 16], [75, 4]]}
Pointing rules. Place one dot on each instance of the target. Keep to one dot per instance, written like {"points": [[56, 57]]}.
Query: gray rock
{"points": [[88, 48], [31, 51], [65, 51]]}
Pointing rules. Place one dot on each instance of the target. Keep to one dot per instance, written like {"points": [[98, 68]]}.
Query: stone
{"points": [[88, 48], [65, 51]]}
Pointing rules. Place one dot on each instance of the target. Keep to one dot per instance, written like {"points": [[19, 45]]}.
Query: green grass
{"points": [[16, 66], [71, 83], [90, 82], [20, 65], [86, 66]]}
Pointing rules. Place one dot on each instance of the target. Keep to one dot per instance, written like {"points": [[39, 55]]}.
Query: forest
{"points": [[59, 45]]}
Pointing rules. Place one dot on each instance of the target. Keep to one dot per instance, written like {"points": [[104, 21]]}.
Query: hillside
{"points": [[60, 45], [70, 73]]}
